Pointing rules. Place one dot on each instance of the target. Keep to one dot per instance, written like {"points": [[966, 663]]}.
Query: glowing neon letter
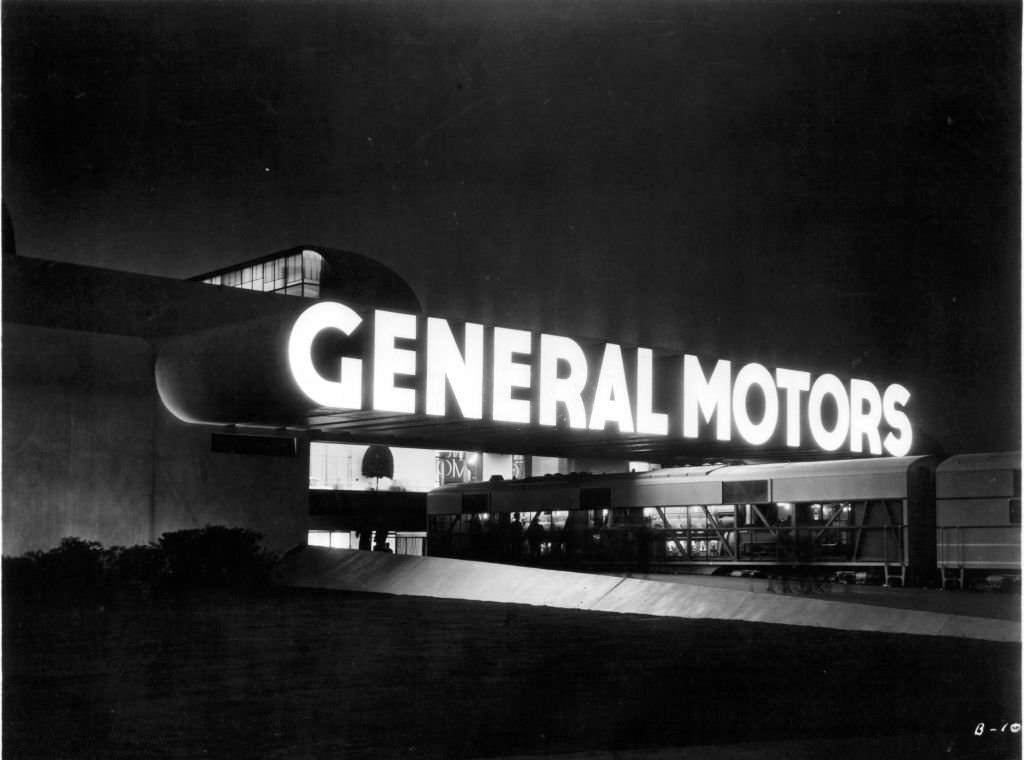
{"points": [[568, 389], [611, 397], [509, 374], [749, 376], [707, 395], [345, 393], [828, 385], [865, 416], [647, 421], [896, 396], [465, 374], [389, 360], [793, 382]]}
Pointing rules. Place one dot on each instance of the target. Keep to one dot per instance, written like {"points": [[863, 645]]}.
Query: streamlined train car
{"points": [[867, 516], [978, 530]]}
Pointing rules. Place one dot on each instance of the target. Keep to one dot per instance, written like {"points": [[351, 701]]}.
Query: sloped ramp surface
{"points": [[375, 572]]}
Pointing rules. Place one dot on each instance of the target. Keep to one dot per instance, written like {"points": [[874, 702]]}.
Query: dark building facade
{"points": [[89, 448]]}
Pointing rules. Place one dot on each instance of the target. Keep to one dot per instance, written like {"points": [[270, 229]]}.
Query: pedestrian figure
{"points": [[475, 536], [516, 538], [535, 537], [643, 546]]}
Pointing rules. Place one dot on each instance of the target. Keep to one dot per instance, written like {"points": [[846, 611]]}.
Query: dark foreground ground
{"points": [[305, 674]]}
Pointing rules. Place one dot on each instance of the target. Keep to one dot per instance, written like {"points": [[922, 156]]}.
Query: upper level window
{"points": [[297, 274], [293, 270], [312, 263]]}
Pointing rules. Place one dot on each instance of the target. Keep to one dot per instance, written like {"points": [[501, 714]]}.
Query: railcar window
{"points": [[674, 516], [558, 518], [475, 502], [783, 512], [438, 522], [1014, 511], [595, 498], [763, 513], [698, 518], [625, 517], [745, 490], [756, 515], [724, 515]]}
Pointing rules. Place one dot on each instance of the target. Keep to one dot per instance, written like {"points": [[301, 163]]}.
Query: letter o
{"points": [[760, 432], [829, 385]]}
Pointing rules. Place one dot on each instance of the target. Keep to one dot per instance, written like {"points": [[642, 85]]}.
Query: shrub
{"points": [[210, 557], [74, 568], [20, 576], [215, 556], [135, 571]]}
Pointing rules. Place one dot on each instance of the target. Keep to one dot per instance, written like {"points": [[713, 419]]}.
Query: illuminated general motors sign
{"points": [[531, 379]]}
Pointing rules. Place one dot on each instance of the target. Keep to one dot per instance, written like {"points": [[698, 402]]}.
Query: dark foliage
{"points": [[210, 557], [215, 556], [73, 569], [135, 571]]}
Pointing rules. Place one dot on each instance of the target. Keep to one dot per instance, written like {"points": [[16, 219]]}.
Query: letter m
{"points": [[705, 397]]}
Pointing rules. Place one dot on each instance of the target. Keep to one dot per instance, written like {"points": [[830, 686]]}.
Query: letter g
{"points": [[347, 393]]}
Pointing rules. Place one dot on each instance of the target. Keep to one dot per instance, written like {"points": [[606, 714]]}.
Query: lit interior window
{"points": [[785, 511], [341, 540], [312, 263], [401, 542], [293, 270], [319, 538]]}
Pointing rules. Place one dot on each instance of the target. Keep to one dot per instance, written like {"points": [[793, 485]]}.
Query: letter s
{"points": [[897, 396]]}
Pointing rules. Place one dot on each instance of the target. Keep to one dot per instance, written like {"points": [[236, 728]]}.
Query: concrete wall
{"points": [[90, 451], [195, 486], [78, 413]]}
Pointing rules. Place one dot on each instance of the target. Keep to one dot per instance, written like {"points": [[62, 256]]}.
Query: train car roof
{"points": [[774, 470], [1000, 460]]}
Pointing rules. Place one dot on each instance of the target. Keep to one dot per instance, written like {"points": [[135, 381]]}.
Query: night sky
{"points": [[822, 186]]}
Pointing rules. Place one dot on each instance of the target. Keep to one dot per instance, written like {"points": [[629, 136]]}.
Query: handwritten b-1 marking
{"points": [[979, 730]]}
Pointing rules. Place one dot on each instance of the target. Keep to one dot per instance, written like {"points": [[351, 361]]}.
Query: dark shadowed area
{"points": [[828, 186], [326, 674]]}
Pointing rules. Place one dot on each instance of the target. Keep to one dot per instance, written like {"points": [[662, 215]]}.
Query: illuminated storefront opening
{"points": [[338, 467], [411, 543]]}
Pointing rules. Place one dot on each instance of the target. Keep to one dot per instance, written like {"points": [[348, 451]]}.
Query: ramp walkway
{"points": [[376, 572]]}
